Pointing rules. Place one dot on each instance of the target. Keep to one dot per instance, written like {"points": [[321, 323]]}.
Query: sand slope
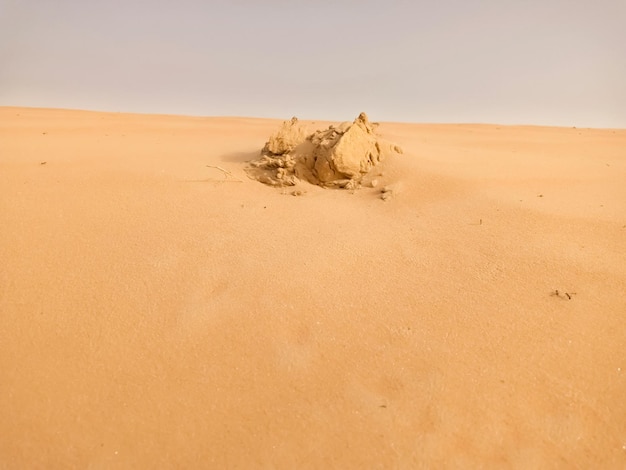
{"points": [[155, 314]]}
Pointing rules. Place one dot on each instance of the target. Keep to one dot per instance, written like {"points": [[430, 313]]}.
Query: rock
{"points": [[335, 157], [286, 139], [347, 151]]}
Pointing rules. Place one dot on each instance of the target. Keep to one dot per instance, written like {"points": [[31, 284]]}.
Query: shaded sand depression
{"points": [[160, 309]]}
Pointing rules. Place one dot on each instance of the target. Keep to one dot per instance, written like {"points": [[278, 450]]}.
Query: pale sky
{"points": [[547, 62]]}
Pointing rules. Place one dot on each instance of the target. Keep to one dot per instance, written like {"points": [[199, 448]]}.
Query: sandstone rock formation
{"points": [[335, 157], [286, 139]]}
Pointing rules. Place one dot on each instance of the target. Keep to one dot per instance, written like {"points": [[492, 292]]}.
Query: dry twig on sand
{"points": [[562, 295], [226, 173]]}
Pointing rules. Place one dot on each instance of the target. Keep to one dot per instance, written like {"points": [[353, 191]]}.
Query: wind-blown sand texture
{"points": [[157, 312]]}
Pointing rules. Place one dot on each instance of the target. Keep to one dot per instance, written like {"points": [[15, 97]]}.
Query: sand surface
{"points": [[156, 313]]}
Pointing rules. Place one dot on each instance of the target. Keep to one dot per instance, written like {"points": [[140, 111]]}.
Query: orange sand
{"points": [[156, 314]]}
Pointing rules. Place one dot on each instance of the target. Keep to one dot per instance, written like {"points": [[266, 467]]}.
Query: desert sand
{"points": [[160, 312]]}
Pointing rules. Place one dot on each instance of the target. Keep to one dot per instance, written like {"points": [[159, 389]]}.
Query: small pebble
{"points": [[386, 195]]}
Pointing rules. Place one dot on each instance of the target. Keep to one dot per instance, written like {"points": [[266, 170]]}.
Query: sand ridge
{"points": [[157, 312]]}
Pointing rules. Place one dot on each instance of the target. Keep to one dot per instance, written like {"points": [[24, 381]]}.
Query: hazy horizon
{"points": [[545, 63]]}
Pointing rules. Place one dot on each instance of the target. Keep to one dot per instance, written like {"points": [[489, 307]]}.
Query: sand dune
{"points": [[157, 312]]}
